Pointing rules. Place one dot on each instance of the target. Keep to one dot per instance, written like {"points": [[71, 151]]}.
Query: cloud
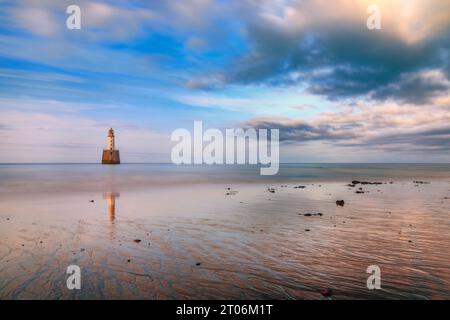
{"points": [[38, 21], [196, 44], [328, 49], [387, 127], [112, 20], [417, 88], [301, 131]]}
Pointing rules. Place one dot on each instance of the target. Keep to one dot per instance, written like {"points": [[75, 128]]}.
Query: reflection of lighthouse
{"points": [[111, 155], [111, 198]]}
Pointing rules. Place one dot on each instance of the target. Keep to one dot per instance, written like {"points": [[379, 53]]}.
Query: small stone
{"points": [[327, 292], [137, 240], [198, 263], [340, 203]]}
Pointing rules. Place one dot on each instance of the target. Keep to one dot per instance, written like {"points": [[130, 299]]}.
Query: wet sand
{"points": [[224, 240]]}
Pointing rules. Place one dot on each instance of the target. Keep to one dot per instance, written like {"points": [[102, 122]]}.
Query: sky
{"points": [[337, 91]]}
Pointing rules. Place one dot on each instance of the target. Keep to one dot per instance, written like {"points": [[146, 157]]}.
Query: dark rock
{"points": [[198, 263], [359, 192], [91, 200], [327, 292], [365, 182], [299, 187], [310, 214], [137, 240], [307, 230], [340, 203]]}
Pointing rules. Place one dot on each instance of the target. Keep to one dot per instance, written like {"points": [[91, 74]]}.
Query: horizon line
{"points": [[224, 164]]}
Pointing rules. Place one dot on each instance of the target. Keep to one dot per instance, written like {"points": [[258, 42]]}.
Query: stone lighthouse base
{"points": [[110, 157]]}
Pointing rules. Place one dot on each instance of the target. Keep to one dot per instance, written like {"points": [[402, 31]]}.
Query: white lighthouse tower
{"points": [[111, 139], [111, 155]]}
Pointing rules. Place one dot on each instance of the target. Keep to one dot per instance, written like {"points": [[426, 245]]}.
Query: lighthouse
{"points": [[111, 155]]}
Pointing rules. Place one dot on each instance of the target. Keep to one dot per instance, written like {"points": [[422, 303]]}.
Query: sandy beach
{"points": [[218, 236]]}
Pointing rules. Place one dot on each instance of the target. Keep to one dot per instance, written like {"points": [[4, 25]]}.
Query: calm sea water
{"points": [[219, 232]]}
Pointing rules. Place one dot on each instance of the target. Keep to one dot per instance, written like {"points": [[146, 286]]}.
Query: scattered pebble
{"points": [[310, 214], [365, 182], [137, 240], [340, 203], [327, 292]]}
